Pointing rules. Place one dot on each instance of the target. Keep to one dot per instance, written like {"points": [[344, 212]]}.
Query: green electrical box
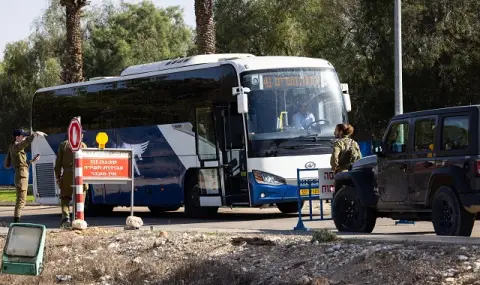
{"points": [[24, 249]]}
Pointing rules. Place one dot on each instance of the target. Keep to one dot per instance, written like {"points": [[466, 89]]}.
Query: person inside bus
{"points": [[303, 118]]}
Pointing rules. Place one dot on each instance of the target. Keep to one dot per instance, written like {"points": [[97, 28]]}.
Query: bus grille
{"points": [[45, 180]]}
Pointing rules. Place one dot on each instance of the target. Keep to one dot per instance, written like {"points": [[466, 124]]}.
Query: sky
{"points": [[17, 16]]}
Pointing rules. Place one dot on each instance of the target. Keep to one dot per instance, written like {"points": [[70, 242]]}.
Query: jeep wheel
{"points": [[449, 218], [349, 215]]}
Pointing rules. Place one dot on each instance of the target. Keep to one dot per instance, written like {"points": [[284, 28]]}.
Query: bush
{"points": [[324, 235]]}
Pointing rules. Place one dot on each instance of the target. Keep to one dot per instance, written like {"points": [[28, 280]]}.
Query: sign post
{"points": [[105, 166], [74, 133]]}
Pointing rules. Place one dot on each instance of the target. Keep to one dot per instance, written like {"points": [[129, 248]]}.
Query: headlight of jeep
{"points": [[268, 178]]}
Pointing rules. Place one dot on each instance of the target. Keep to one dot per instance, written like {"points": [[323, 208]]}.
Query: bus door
{"points": [[211, 180], [229, 131]]}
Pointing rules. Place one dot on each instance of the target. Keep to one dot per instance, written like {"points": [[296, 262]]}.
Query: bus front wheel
{"points": [[192, 199], [289, 207]]}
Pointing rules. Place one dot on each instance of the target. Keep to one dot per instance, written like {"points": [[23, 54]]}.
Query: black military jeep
{"points": [[427, 168]]}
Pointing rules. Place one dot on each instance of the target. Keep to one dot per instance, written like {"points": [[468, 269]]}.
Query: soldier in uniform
{"points": [[345, 150], [64, 161], [17, 158]]}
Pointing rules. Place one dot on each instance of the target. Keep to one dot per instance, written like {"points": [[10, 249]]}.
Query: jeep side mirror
{"points": [[378, 150]]}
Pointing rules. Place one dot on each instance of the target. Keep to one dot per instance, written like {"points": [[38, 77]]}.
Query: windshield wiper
{"points": [[302, 146], [314, 138]]}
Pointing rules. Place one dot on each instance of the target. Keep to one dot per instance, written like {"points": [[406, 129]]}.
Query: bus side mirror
{"points": [[242, 99], [346, 97], [242, 103]]}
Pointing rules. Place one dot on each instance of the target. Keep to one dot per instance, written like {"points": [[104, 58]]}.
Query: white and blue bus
{"points": [[207, 131]]}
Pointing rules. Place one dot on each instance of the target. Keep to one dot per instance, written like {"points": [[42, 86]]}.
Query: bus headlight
{"points": [[268, 178]]}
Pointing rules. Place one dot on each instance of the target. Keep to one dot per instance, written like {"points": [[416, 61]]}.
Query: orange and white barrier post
{"points": [[79, 221], [79, 197]]}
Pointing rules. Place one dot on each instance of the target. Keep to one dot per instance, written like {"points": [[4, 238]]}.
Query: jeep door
{"points": [[422, 162], [392, 165]]}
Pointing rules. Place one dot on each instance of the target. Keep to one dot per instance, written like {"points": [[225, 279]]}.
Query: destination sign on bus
{"points": [[272, 81]]}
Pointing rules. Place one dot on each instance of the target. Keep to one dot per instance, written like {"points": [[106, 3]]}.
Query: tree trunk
{"points": [[73, 60], [205, 26]]}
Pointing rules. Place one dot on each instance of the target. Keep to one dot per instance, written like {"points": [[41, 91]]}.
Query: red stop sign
{"points": [[75, 134]]}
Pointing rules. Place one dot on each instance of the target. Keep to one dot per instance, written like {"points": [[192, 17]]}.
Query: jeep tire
{"points": [[449, 218], [349, 215]]}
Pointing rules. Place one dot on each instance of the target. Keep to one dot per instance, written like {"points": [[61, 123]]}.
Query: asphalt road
{"points": [[265, 220]]}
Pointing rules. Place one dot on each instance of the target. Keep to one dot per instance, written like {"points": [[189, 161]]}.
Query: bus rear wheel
{"points": [[289, 207], [159, 210], [92, 210], [192, 199]]}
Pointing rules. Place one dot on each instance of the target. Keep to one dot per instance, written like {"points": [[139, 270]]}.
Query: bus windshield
{"points": [[292, 103]]}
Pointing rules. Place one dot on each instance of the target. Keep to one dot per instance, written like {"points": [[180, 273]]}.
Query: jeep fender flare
{"points": [[363, 180], [450, 176]]}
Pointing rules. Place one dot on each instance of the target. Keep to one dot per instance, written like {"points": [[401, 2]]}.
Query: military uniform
{"points": [[65, 160], [18, 160], [339, 146]]}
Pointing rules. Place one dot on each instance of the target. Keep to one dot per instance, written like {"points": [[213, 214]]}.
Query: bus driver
{"points": [[303, 117]]}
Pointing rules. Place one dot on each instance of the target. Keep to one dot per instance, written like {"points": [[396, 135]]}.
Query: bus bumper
{"points": [[268, 194]]}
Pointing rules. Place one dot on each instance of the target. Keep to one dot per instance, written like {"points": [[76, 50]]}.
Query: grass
{"points": [[324, 235], [10, 196]]}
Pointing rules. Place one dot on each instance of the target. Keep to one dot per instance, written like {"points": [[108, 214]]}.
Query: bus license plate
{"points": [[304, 192]]}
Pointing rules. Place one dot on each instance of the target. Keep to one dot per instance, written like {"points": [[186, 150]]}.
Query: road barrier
{"points": [[79, 196], [312, 184]]}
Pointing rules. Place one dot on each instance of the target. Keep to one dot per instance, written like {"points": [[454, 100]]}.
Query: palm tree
{"points": [[205, 26], [73, 63]]}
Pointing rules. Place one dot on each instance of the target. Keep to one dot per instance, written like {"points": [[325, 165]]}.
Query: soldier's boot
{"points": [[16, 219], [65, 223], [65, 214]]}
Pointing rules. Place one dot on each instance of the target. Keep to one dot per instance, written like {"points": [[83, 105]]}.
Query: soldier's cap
{"points": [[20, 132]]}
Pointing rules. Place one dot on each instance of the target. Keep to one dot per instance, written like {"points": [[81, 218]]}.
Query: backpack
{"points": [[347, 156]]}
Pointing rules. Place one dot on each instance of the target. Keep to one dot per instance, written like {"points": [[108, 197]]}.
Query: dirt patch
{"points": [[99, 256]]}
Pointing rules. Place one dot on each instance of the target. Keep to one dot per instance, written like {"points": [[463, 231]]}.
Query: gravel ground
{"points": [[99, 256]]}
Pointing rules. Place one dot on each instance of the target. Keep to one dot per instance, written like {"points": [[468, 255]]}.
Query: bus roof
{"points": [[242, 62]]}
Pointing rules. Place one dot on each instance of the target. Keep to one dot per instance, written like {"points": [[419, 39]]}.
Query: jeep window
{"points": [[455, 133], [424, 134], [397, 138]]}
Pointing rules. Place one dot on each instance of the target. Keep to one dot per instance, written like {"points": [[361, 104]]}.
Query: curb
{"points": [[9, 204]]}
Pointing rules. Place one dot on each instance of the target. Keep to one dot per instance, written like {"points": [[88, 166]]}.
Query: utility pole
{"points": [[398, 58]]}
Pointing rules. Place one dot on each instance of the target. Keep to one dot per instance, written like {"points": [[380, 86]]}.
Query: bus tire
{"points": [[92, 210], [159, 210], [289, 207], [192, 199]]}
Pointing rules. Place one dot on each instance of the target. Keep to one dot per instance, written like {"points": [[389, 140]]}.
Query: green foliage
{"points": [[323, 235], [133, 34], [441, 51], [114, 38]]}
